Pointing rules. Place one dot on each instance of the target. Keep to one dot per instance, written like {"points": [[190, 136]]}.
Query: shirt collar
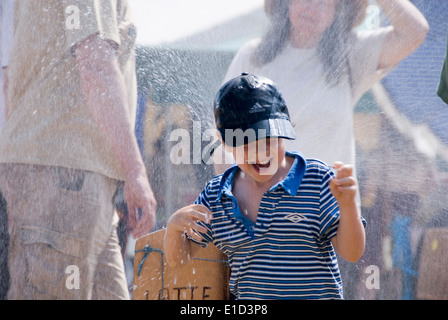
{"points": [[226, 184], [290, 183], [293, 179]]}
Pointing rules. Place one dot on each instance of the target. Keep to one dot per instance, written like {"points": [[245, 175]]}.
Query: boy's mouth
{"points": [[261, 165]]}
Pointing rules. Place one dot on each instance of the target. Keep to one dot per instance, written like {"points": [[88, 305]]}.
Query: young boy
{"points": [[277, 216]]}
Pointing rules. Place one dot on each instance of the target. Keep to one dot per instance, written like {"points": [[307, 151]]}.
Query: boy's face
{"points": [[260, 159]]}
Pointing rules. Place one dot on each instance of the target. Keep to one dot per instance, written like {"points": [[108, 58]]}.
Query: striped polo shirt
{"points": [[287, 253]]}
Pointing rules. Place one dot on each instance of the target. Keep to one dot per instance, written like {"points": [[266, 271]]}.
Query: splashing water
{"points": [[401, 148]]}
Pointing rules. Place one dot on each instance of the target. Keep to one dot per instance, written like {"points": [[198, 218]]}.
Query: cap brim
{"points": [[270, 128]]}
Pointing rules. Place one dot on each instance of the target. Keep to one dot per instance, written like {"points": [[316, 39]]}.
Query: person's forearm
{"points": [[105, 93], [407, 20], [409, 30], [350, 238]]}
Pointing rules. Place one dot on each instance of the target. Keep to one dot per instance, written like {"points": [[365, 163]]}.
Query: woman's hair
{"points": [[332, 49]]}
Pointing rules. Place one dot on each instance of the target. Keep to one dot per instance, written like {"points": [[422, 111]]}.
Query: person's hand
{"points": [[141, 203], [343, 186], [185, 220]]}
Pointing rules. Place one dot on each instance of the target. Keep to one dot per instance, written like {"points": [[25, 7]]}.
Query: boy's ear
{"points": [[226, 147], [218, 135]]}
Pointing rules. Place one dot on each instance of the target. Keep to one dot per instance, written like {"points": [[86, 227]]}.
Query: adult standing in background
{"points": [[68, 140], [6, 35], [323, 64]]}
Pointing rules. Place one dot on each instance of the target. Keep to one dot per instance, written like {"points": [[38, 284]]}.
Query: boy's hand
{"points": [[177, 247], [186, 219], [343, 186], [349, 241]]}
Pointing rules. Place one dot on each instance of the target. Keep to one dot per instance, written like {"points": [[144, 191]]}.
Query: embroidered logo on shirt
{"points": [[256, 108], [295, 217]]}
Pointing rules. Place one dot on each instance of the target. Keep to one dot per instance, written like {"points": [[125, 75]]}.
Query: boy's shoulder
{"points": [[316, 167], [216, 181], [313, 163], [215, 184]]}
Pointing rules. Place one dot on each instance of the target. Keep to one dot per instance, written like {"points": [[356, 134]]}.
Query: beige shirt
{"points": [[49, 122]]}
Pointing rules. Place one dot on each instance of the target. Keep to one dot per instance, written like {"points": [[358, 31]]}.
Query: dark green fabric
{"points": [[443, 85]]}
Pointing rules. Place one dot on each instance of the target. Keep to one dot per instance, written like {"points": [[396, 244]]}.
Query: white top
{"points": [[322, 115]]}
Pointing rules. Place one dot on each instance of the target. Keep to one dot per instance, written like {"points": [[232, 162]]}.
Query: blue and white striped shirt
{"points": [[287, 253]]}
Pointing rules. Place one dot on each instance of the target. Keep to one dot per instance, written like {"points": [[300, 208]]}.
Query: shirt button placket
{"points": [[268, 211]]}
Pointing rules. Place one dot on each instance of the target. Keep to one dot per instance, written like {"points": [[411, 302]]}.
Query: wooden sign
{"points": [[204, 278], [433, 276]]}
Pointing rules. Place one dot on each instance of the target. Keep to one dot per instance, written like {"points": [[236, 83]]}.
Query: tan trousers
{"points": [[63, 239]]}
